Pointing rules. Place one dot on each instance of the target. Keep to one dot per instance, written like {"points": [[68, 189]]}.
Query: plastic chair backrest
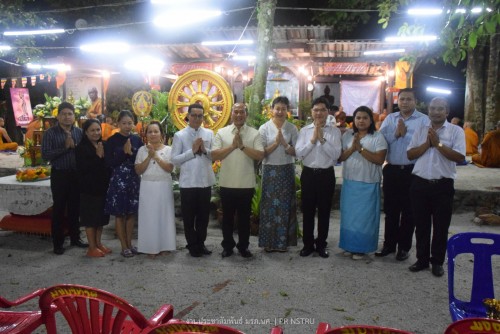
{"points": [[482, 277], [325, 328], [90, 310], [474, 326], [181, 327], [13, 322]]}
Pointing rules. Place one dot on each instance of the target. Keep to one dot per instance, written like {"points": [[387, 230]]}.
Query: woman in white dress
{"points": [[156, 198]]}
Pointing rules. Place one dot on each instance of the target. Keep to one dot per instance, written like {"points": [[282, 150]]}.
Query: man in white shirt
{"points": [[237, 146], [319, 147], [191, 151], [437, 146]]}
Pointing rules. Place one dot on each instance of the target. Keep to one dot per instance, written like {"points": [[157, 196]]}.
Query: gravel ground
{"points": [[249, 294]]}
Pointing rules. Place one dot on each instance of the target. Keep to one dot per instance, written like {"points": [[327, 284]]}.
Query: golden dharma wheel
{"points": [[206, 88]]}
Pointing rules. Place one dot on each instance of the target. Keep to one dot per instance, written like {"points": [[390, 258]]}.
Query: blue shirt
{"points": [[397, 146], [54, 147]]}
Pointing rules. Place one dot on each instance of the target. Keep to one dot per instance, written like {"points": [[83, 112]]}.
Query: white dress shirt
{"points": [[268, 132], [196, 170], [433, 165], [319, 155]]}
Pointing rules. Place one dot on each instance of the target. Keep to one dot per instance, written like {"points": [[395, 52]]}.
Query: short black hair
{"points": [[281, 99], [88, 123], [408, 90], [319, 100], [162, 130], [65, 105], [125, 113], [195, 106]]}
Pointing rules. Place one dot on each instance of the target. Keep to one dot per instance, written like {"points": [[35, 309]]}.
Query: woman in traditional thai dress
{"points": [[156, 197], [122, 200], [278, 208], [363, 153]]}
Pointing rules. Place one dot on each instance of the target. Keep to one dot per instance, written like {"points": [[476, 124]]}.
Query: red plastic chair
{"points": [[91, 310], [19, 322], [182, 327], [324, 328], [474, 326]]}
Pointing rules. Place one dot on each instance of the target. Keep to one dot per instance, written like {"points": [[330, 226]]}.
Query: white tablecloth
{"points": [[24, 198]]}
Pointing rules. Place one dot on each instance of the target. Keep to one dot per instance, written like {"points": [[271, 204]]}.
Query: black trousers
{"points": [[432, 203], [399, 225], [66, 199], [236, 200], [195, 207], [318, 187]]}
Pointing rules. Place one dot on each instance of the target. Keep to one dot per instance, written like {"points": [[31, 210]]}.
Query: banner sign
{"points": [[21, 105], [180, 69], [345, 68]]}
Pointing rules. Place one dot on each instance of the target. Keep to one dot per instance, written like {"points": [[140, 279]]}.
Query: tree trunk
{"points": [[492, 107], [474, 89], [265, 18]]}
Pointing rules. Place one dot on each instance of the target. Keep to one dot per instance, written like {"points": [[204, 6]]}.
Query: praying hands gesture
{"points": [[400, 129], [99, 150], [127, 148], [280, 139], [69, 143], [237, 141], [198, 146], [317, 133]]}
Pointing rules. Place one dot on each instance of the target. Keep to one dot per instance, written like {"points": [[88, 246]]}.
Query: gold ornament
{"points": [[206, 88], [142, 102]]}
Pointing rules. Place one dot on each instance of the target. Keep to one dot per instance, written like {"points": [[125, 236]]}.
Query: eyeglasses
{"points": [[199, 116]]}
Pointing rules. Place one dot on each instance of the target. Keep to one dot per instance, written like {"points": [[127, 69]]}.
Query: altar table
{"points": [[29, 205]]}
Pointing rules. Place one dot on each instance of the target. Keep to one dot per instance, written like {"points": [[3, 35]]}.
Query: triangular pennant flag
{"points": [[14, 82], [33, 81], [2, 82], [24, 81], [42, 77], [49, 78]]}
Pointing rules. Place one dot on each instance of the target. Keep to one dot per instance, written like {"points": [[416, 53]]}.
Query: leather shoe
{"points": [[79, 243], [418, 266], [194, 253], [306, 251], [205, 251], [59, 250], [227, 252], [402, 255], [384, 252], [323, 253], [437, 270], [245, 253]]}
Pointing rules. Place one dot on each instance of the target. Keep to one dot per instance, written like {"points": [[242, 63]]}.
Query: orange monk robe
{"points": [[95, 109], [471, 141], [108, 130], [35, 125], [490, 151], [6, 146]]}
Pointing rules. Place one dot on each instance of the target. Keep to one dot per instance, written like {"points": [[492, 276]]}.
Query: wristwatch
{"points": [[440, 144], [322, 140]]}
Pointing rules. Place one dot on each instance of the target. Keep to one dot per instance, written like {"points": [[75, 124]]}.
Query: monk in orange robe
{"points": [[34, 125], [108, 128], [6, 143], [490, 150], [471, 139]]}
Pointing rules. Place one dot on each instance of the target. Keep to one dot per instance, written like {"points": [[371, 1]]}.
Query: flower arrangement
{"points": [[81, 104], [49, 108]]}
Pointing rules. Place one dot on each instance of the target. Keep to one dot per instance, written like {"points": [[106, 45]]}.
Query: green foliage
{"points": [[255, 207], [305, 109], [14, 16], [159, 111], [350, 14]]}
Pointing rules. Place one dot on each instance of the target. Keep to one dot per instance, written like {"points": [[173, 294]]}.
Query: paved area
{"points": [[249, 294]]}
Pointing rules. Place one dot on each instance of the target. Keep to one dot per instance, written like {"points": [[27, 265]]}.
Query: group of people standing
{"points": [[421, 153]]}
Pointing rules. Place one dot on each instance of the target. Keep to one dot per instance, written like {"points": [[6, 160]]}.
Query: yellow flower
{"points": [[54, 112]]}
